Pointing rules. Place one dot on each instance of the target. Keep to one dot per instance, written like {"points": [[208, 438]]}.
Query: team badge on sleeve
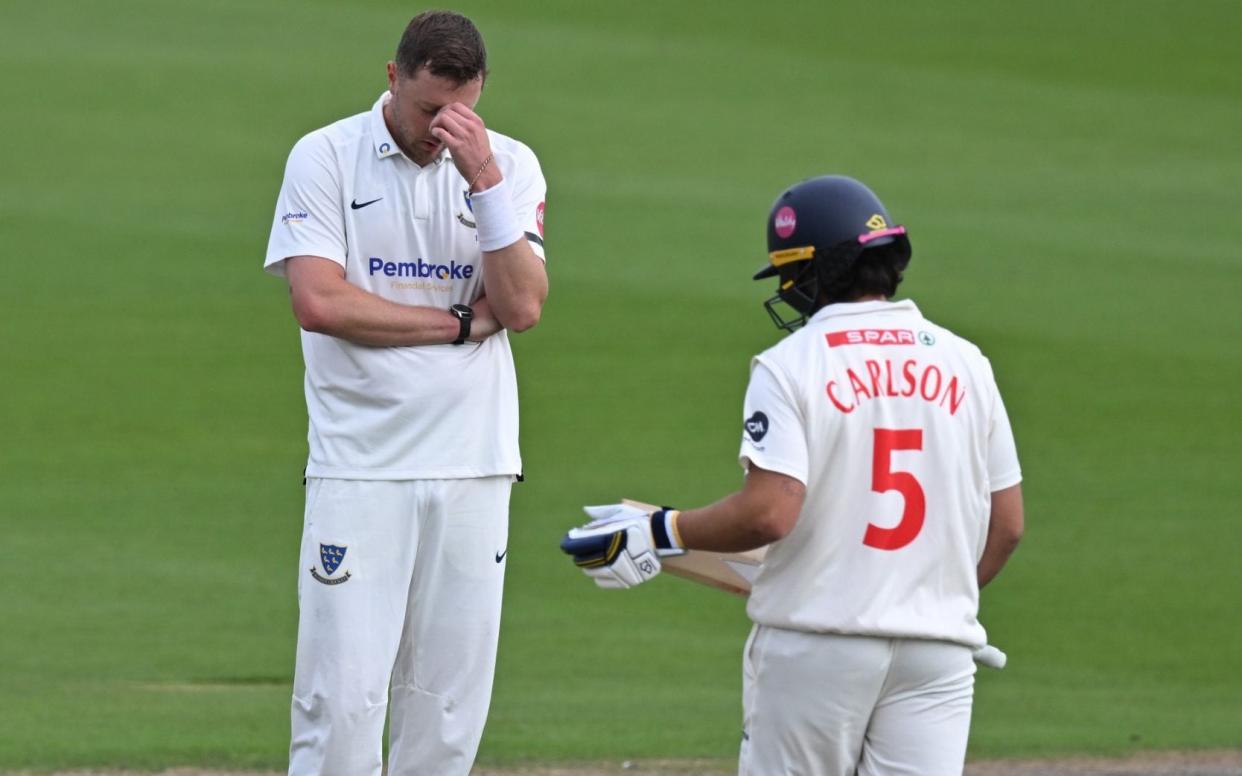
{"points": [[756, 426], [539, 218], [331, 556]]}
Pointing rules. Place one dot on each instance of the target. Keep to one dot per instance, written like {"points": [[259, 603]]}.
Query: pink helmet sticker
{"points": [[869, 236], [785, 221]]}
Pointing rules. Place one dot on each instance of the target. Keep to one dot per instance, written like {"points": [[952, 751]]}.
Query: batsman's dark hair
{"points": [[446, 43], [877, 270]]}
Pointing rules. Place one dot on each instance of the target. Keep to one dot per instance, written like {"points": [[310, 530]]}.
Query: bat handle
{"points": [[990, 656]]}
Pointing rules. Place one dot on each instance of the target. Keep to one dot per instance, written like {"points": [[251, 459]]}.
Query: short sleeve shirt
{"points": [[897, 429], [405, 233]]}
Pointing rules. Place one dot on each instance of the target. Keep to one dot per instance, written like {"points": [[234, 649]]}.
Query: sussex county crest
{"points": [[331, 556]]}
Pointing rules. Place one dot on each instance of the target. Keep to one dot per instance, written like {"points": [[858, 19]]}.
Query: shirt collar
{"points": [[385, 146], [844, 309]]}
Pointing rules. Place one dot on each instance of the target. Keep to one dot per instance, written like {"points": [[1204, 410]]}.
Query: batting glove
{"points": [[622, 546]]}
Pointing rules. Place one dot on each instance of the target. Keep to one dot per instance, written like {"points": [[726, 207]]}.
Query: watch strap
{"points": [[464, 316]]}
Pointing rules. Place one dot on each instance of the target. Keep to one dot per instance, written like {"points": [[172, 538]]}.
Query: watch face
{"points": [[463, 314]]}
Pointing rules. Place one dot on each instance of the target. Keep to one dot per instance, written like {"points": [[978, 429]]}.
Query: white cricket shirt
{"points": [[405, 233], [896, 427]]}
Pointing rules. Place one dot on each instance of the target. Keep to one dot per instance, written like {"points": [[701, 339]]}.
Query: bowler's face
{"points": [[415, 102]]}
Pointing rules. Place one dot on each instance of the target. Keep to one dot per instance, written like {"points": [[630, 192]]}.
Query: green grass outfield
{"points": [[1070, 175]]}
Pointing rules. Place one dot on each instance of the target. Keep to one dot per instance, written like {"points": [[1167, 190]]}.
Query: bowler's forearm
{"points": [[325, 303], [516, 284]]}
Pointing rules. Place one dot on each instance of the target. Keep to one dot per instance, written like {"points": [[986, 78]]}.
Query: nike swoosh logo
{"points": [[356, 206], [501, 555]]}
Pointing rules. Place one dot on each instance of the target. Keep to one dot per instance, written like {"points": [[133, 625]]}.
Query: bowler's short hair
{"points": [[446, 43]]}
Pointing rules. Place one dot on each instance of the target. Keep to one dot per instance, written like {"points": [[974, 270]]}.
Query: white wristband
{"points": [[494, 218]]}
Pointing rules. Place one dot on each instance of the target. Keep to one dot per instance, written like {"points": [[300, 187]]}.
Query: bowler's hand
{"points": [[465, 136], [484, 323]]}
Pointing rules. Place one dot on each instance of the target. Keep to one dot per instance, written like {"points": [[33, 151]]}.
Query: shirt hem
{"points": [[779, 467], [442, 473], [965, 641], [1000, 483], [276, 266]]}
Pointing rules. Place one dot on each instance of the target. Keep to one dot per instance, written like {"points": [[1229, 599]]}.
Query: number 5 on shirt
{"points": [[884, 479]]}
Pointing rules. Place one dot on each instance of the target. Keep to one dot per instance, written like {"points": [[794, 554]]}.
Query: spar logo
{"points": [[420, 269], [837, 339], [785, 222]]}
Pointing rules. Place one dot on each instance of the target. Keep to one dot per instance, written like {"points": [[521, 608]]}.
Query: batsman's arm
{"points": [[326, 303], [1004, 532], [763, 511]]}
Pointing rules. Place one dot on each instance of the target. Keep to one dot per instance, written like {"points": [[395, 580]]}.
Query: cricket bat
{"points": [[732, 572]]}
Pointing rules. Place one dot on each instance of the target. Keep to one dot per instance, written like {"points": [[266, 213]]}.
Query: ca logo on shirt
{"points": [[756, 426]]}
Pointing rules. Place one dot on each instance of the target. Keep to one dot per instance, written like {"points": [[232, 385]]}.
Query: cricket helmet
{"points": [[817, 230]]}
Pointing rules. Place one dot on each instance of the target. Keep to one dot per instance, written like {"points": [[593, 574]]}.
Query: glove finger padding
{"points": [[606, 514], [617, 555]]}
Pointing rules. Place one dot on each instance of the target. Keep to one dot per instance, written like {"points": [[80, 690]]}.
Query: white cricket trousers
{"points": [[818, 704], [399, 587]]}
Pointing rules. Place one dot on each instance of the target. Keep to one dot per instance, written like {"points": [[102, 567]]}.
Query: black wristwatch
{"points": [[464, 316]]}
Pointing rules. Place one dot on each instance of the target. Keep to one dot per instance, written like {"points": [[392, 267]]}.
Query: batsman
{"points": [[881, 475]]}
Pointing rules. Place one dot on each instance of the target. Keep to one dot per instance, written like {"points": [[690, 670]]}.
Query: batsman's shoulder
{"points": [[965, 346], [794, 347], [939, 334], [777, 367]]}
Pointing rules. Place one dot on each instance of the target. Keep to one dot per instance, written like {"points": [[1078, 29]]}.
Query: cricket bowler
{"points": [[411, 237]]}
